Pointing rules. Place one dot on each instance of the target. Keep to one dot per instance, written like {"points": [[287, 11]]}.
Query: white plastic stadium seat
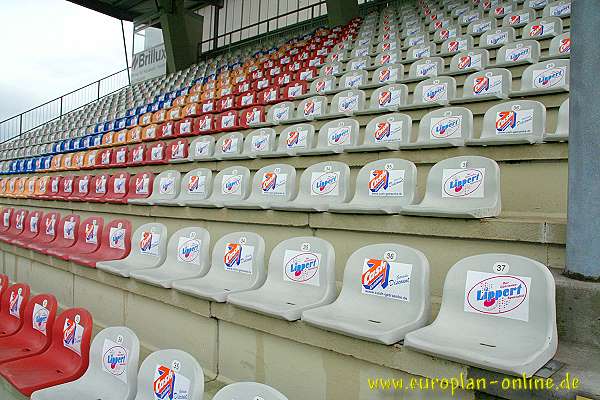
{"points": [[301, 276], [238, 264], [274, 183], [112, 371], [321, 186], [382, 187], [489, 84], [444, 127], [386, 132], [170, 374], [293, 139], [334, 137], [232, 183], [248, 391], [385, 295], [187, 257], [561, 134], [490, 293], [345, 104], [461, 187], [148, 250], [195, 185], [512, 122], [545, 77], [386, 99]]}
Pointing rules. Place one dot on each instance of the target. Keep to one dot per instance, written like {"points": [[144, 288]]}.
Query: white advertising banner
{"points": [[149, 64]]}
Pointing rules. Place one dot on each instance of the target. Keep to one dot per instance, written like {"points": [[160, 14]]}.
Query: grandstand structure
{"points": [[377, 192]]}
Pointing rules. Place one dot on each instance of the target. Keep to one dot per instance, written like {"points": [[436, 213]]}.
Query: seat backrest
{"points": [[65, 186], [525, 118], [89, 234], [155, 153], [433, 90], [70, 347], [149, 247], [388, 74], [170, 374], [99, 185], [305, 266], [339, 132], [325, 182], [281, 112], [230, 144], [449, 124], [68, 231], [196, 184], [82, 186], [562, 125], [311, 107], [137, 154], [202, 147], [464, 181], [426, 66], [242, 253], [19, 223], [387, 181], [457, 44], [115, 242], [232, 183], [468, 60], [395, 127], [543, 28], [497, 37], [389, 96], [166, 185], [248, 391], [114, 357], [477, 28], [500, 293], [188, 250], [14, 301], [118, 185], [260, 141], [348, 101], [389, 279], [141, 185], [519, 18], [296, 137], [560, 45], [496, 81], [275, 183], [420, 51], [518, 52], [559, 8], [178, 149], [41, 311], [546, 75], [48, 229], [7, 218], [353, 79], [32, 223], [322, 84]]}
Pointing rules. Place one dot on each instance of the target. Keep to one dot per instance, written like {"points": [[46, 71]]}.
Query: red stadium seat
{"points": [[137, 155], [14, 300], [16, 227], [204, 124], [252, 115], [51, 224], [226, 103], [120, 157], [156, 154], [89, 238], [166, 130], [65, 188], [115, 244], [246, 99], [65, 360], [177, 150], [52, 188], [66, 237], [184, 127], [36, 332], [295, 89], [81, 188], [140, 185], [269, 95], [31, 230], [207, 106], [227, 121], [98, 188], [118, 187]]}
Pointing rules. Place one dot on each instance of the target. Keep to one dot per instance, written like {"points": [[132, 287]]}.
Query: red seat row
{"points": [[82, 242], [37, 348]]}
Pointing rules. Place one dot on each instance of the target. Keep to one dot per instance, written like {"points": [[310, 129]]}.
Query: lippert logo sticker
{"points": [[463, 183]]}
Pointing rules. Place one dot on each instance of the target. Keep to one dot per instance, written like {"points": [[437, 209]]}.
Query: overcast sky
{"points": [[50, 47]]}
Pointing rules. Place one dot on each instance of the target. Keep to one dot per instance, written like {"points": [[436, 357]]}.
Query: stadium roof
{"points": [[130, 10]]}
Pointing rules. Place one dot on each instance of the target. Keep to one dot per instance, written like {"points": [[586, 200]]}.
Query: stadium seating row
{"points": [[514, 122], [384, 296], [49, 357]]}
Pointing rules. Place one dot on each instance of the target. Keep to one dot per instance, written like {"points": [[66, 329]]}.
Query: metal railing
{"points": [[56, 108]]}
